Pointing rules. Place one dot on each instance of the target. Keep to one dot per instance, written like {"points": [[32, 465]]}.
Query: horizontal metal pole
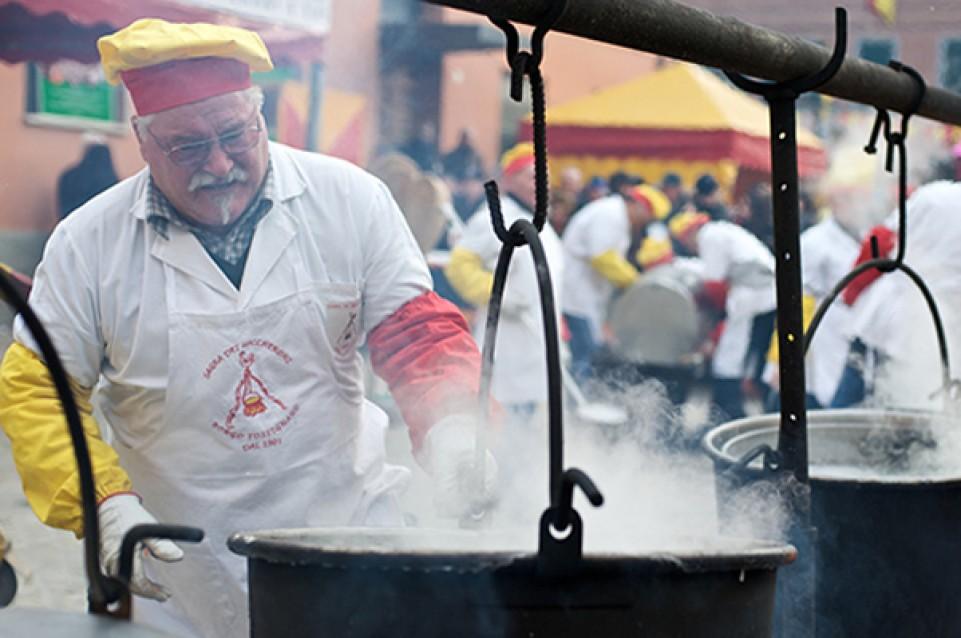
{"points": [[675, 30]]}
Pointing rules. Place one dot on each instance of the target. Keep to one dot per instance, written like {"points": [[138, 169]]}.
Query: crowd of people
{"points": [[607, 232]]}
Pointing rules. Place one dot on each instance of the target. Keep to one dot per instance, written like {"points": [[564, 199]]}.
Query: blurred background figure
{"points": [[673, 188], [520, 371], [893, 361], [464, 171], [93, 174], [621, 182], [422, 148], [463, 161], [829, 250], [571, 182], [562, 206], [736, 257], [756, 213], [707, 198], [595, 243], [595, 189]]}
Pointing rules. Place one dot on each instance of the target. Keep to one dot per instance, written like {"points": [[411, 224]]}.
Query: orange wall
{"points": [[573, 67], [32, 157], [351, 60]]}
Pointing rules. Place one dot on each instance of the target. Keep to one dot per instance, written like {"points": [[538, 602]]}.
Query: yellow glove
{"points": [[613, 267], [31, 416], [467, 275]]}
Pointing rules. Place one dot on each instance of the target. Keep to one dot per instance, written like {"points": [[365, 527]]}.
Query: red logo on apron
{"points": [[257, 418], [250, 393]]}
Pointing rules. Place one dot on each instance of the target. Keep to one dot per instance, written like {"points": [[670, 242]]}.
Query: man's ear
{"points": [[136, 132]]}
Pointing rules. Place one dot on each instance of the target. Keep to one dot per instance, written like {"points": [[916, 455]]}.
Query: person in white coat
{"points": [[733, 255], [519, 380], [828, 252], [216, 300], [900, 365], [596, 242]]}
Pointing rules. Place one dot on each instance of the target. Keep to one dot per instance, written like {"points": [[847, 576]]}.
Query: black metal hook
{"points": [[528, 63], [497, 217], [522, 62], [564, 507], [794, 88], [897, 139]]}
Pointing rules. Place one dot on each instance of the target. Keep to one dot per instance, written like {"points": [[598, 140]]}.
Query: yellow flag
{"points": [[886, 9]]}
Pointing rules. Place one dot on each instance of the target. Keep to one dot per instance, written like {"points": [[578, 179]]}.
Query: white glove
{"points": [[118, 514], [449, 453]]}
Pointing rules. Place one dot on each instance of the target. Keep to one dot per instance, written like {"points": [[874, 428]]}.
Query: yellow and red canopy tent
{"points": [[681, 119]]}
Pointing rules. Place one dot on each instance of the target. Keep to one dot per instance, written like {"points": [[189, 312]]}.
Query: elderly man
{"points": [[595, 244], [520, 372], [216, 301]]}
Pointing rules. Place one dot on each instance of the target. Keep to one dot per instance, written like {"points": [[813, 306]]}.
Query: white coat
{"points": [[828, 253], [892, 317], [520, 368], [734, 255], [236, 409], [599, 227]]}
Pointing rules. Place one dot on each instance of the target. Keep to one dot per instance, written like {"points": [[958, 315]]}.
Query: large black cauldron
{"points": [[886, 501], [347, 583]]}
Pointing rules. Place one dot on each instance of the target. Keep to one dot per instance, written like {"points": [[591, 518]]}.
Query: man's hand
{"points": [[118, 514], [450, 454]]}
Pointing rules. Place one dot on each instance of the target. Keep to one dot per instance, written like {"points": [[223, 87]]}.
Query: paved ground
{"points": [[50, 561]]}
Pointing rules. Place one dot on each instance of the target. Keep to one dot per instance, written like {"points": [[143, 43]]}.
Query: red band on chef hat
{"points": [[164, 86], [516, 159]]}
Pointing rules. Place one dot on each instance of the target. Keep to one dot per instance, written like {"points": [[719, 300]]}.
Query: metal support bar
{"points": [[675, 30], [792, 439]]}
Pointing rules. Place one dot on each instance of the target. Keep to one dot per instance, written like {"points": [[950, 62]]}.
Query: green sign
{"points": [[89, 101]]}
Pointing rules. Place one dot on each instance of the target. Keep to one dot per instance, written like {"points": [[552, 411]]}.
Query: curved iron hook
{"points": [[888, 265], [571, 478], [801, 85], [896, 139]]}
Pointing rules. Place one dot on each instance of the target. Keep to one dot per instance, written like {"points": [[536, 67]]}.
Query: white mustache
{"points": [[202, 179]]}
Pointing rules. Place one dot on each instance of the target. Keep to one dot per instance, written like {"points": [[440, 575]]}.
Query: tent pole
{"points": [[675, 30]]}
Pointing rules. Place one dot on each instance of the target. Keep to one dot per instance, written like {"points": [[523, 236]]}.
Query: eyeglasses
{"points": [[233, 142]]}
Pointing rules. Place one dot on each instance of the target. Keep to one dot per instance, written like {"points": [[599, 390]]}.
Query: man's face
{"points": [[689, 241], [639, 214], [213, 187], [521, 185]]}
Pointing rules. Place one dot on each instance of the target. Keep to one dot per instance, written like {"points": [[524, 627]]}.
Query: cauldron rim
{"points": [[305, 546], [714, 441]]}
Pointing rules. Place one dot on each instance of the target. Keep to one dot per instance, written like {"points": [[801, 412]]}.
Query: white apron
{"points": [[266, 427]]}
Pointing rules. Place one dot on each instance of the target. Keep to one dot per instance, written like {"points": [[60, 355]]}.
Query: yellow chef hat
{"points": [[517, 158], [165, 64], [654, 199], [683, 224], [655, 251]]}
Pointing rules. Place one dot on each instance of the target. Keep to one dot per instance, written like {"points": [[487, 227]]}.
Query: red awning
{"points": [[51, 30]]}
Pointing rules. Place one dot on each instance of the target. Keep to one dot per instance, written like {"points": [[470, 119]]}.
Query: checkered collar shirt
{"points": [[230, 246]]}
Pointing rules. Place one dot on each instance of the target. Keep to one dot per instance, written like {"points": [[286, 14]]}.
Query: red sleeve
{"points": [[713, 294], [427, 356], [716, 333], [887, 240]]}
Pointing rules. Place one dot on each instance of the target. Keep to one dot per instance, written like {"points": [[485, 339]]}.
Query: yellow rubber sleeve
{"points": [[613, 267], [467, 275], [808, 307], [31, 416]]}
